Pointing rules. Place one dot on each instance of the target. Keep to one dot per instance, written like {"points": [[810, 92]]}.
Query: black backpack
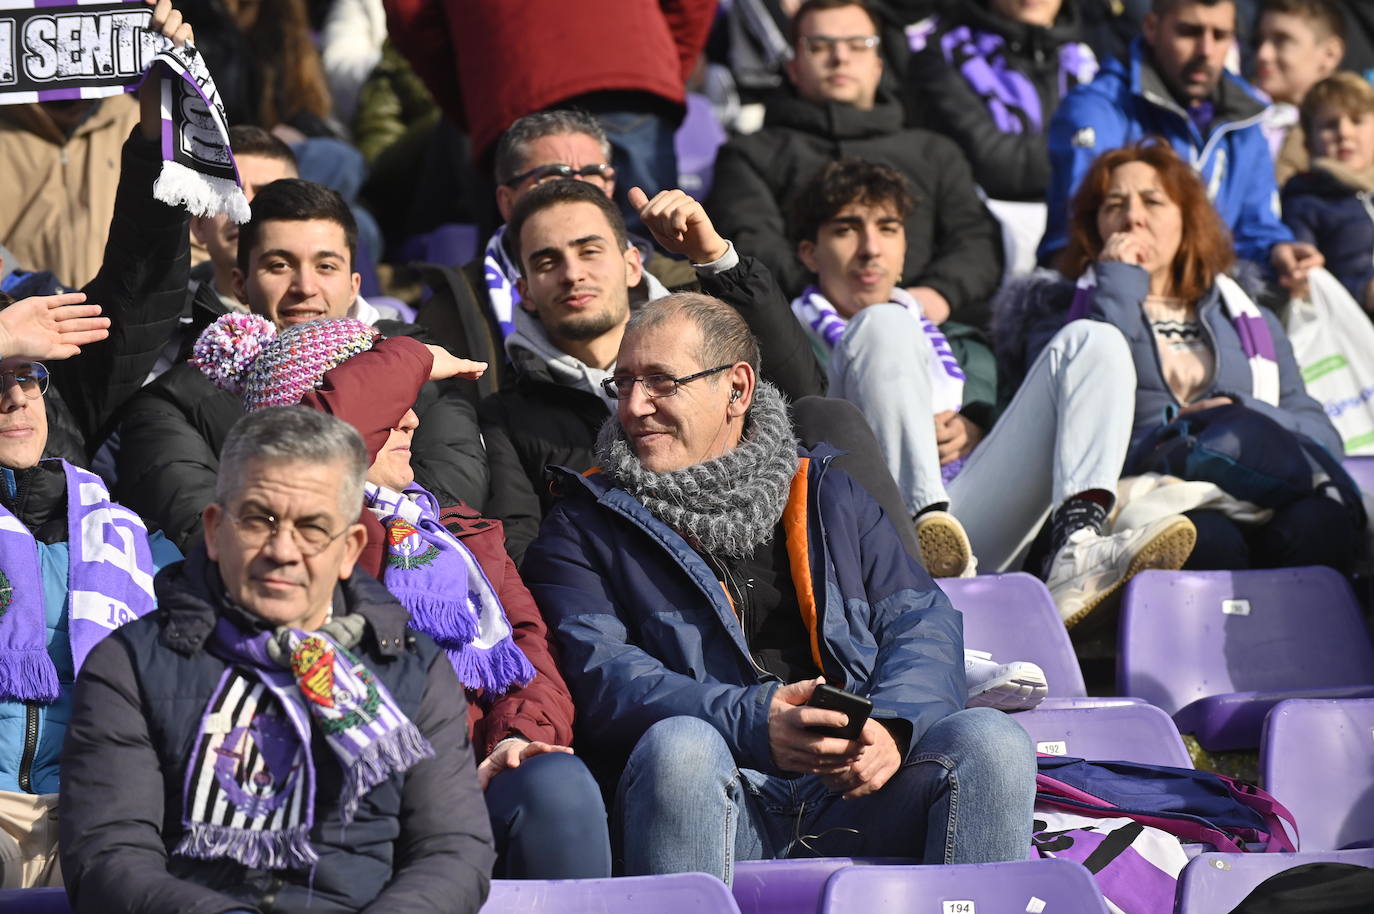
{"points": [[1313, 888]]}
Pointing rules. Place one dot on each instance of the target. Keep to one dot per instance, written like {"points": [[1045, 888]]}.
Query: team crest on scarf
{"points": [[317, 668], [6, 594], [408, 549]]}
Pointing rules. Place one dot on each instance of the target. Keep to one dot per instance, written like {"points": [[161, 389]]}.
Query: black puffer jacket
{"points": [[954, 245], [420, 841], [950, 89], [172, 432]]}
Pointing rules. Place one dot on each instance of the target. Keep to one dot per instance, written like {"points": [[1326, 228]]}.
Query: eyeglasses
{"points": [[819, 45], [33, 380], [655, 385], [601, 172], [256, 529]]}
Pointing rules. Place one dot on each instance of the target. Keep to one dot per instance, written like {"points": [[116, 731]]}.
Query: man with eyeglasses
{"points": [[73, 567], [278, 738], [839, 106], [705, 580], [473, 310]]}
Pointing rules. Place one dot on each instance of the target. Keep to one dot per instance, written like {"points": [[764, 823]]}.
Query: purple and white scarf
{"points": [[981, 58], [827, 326], [439, 581], [249, 793], [500, 274], [53, 50], [1255, 339], [109, 583]]}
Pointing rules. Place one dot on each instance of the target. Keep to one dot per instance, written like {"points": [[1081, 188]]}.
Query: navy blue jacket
{"points": [[1339, 220], [1128, 102], [646, 631], [1121, 288], [420, 841]]}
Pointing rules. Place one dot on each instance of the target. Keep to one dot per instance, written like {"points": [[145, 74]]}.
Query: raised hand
{"points": [[679, 224], [50, 327]]}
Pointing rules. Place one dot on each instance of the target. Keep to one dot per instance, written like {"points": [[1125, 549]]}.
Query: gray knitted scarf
{"points": [[728, 506]]}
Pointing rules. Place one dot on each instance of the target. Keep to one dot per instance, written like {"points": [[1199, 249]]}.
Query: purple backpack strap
{"points": [[1276, 815]]}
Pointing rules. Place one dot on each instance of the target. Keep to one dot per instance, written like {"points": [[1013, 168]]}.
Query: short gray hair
{"points": [[513, 147], [293, 434], [725, 337]]}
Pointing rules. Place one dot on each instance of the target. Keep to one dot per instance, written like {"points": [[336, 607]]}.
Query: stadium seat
{"points": [[1361, 469], [1218, 649], [452, 245], [792, 886], [1124, 733], [1317, 758], [696, 143], [34, 901], [1013, 617], [680, 893], [1215, 883], [1057, 886]]}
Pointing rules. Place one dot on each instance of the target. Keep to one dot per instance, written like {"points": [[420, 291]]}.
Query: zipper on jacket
{"points": [[30, 747]]}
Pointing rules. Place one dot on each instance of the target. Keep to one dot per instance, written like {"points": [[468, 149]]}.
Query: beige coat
{"points": [[57, 196]]}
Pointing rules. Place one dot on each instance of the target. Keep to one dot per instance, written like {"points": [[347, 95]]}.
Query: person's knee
{"points": [[556, 787], [984, 737], [679, 755], [1099, 344], [887, 328]]}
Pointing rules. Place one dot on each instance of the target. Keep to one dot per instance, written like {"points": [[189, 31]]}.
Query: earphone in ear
{"points": [[736, 394]]}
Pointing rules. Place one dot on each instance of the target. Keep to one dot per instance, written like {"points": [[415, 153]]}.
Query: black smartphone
{"points": [[833, 699]]}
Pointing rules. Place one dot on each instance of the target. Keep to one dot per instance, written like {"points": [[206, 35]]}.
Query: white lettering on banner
{"points": [[103, 610], [6, 52], [128, 529], [40, 35], [106, 45]]}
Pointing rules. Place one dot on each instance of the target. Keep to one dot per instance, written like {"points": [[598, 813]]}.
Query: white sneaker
{"points": [[1017, 686], [945, 549], [1089, 569]]}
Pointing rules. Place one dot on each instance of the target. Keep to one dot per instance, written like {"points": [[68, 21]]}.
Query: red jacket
{"points": [[489, 62], [371, 391]]}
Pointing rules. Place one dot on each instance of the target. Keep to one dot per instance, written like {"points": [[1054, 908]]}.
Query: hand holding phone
{"points": [[833, 699]]}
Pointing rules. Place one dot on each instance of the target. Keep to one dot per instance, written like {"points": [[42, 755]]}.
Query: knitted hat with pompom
{"points": [[245, 355]]}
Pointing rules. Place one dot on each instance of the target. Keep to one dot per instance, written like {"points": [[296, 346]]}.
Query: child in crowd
{"points": [[1298, 43], [1330, 205]]}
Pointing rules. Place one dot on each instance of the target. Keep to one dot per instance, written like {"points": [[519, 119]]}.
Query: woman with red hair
{"points": [[1150, 256]]}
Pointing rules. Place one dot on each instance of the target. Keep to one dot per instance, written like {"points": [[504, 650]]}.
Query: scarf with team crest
{"points": [[249, 794], [439, 581]]}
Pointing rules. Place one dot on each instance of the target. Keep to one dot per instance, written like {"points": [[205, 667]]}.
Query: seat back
{"points": [[1361, 469], [793, 886], [34, 901], [1215, 883], [1186, 635], [1124, 733], [1013, 617], [1317, 758], [679, 893], [1059, 886]]}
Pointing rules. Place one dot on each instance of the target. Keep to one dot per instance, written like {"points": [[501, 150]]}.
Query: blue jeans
{"points": [[549, 821], [643, 155], [964, 795]]}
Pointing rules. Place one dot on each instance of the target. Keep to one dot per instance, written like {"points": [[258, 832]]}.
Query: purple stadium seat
{"points": [[1013, 617], [1052, 886], [450, 245], [681, 893], [696, 142], [792, 886], [1361, 469], [1215, 883], [1126, 733], [1218, 649], [34, 901], [1317, 759]]}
